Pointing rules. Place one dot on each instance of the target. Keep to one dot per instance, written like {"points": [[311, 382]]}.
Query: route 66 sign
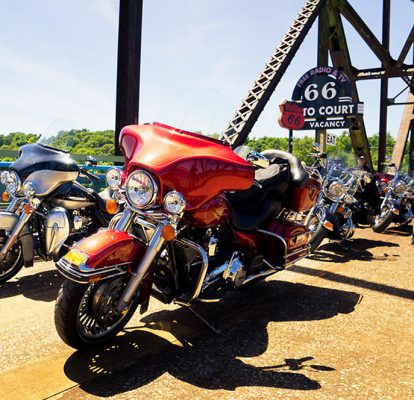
{"points": [[291, 115]]}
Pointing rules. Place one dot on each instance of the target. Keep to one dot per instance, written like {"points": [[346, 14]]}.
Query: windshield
{"points": [[199, 110]]}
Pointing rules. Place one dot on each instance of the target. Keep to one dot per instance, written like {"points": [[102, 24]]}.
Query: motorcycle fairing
{"points": [[36, 157], [197, 166]]}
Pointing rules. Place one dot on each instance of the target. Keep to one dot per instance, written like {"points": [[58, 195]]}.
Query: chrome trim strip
{"points": [[83, 274]]}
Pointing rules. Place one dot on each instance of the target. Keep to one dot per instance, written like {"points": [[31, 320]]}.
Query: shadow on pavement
{"points": [[332, 276], [212, 361], [42, 286], [402, 230], [354, 249]]}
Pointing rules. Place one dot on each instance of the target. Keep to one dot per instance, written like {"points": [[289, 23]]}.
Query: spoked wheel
{"points": [[382, 221], [317, 233], [12, 262], [86, 315]]}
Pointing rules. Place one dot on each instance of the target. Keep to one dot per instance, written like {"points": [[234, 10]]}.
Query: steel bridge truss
{"points": [[331, 42]]}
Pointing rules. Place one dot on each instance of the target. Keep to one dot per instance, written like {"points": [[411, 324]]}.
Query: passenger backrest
{"points": [[298, 173]]}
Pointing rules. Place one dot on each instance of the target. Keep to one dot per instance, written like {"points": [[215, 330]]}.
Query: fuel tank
{"points": [[73, 196]]}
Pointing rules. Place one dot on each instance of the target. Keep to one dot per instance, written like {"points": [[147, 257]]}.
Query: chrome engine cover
{"points": [[56, 230]]}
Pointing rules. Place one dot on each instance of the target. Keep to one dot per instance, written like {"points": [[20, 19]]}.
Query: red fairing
{"points": [[197, 166], [212, 213], [106, 248]]}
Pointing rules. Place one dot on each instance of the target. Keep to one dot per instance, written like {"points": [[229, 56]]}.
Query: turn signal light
{"points": [[5, 197], [112, 207], [328, 225], [168, 232], [340, 209], [27, 208]]}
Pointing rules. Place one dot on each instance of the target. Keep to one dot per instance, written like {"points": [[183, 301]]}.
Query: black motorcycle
{"points": [[331, 216], [367, 198], [49, 210], [396, 206]]}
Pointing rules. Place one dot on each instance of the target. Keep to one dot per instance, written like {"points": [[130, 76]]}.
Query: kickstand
{"points": [[202, 319]]}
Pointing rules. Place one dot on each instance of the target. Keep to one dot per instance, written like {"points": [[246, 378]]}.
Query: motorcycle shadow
{"points": [[42, 286], [211, 361], [403, 230], [354, 249]]}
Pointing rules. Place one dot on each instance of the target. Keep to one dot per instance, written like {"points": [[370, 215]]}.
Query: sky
{"points": [[199, 59]]}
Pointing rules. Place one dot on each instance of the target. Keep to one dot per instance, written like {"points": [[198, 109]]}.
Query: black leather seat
{"points": [[298, 174], [253, 206]]}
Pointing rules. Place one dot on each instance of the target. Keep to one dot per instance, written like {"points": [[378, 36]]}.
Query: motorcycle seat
{"points": [[253, 206], [298, 174], [252, 221]]}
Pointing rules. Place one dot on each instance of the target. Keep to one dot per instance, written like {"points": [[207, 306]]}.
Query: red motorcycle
{"points": [[199, 222]]}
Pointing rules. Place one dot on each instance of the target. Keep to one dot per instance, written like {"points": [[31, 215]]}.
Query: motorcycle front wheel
{"points": [[317, 233], [382, 221], [12, 262], [86, 315]]}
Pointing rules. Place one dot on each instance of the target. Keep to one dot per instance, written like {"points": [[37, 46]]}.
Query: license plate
{"points": [[75, 258]]}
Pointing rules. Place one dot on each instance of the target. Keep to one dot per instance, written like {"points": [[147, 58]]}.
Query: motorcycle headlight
{"points": [[348, 199], [174, 202], [336, 190], [140, 189], [13, 183], [4, 176], [113, 178], [29, 189], [400, 188]]}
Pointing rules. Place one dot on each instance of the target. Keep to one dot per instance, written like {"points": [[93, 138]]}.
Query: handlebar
{"points": [[88, 174]]}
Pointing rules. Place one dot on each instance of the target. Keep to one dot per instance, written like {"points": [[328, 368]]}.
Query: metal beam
{"points": [[323, 60], [129, 64], [341, 60], [370, 39], [379, 73], [406, 48], [401, 140], [249, 111], [382, 143]]}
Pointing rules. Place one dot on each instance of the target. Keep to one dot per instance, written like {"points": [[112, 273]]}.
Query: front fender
{"points": [[7, 222], [105, 254]]}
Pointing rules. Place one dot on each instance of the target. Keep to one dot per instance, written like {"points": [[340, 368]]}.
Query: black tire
{"points": [[12, 262], [317, 238], [75, 299], [381, 224]]}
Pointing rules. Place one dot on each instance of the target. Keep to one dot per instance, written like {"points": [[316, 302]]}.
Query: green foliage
{"points": [[98, 143], [13, 141]]}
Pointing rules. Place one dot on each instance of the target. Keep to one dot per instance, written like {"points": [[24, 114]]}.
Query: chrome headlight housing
{"points": [[113, 178], [367, 178], [336, 190], [13, 183], [174, 202], [348, 199], [400, 188], [29, 189], [140, 190], [3, 177], [383, 185]]}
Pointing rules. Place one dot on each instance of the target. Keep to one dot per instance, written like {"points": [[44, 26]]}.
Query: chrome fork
{"points": [[24, 217]]}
